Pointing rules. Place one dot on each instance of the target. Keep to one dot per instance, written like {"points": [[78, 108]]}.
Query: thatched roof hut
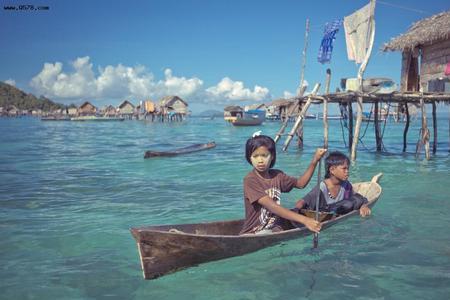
{"points": [[428, 39], [125, 108], [87, 109], [423, 32], [174, 104]]}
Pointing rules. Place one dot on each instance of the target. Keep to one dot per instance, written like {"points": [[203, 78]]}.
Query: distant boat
{"points": [[249, 118], [96, 118], [174, 152], [332, 117]]}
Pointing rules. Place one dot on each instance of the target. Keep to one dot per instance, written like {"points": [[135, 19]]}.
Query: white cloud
{"points": [[228, 90], [135, 83], [52, 82], [10, 82]]}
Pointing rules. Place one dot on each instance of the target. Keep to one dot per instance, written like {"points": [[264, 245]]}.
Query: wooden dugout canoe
{"points": [[188, 149], [168, 248]]}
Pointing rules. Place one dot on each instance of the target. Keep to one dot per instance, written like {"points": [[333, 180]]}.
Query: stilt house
{"points": [[425, 51]]}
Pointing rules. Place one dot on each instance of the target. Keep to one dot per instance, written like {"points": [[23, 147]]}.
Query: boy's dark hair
{"points": [[335, 158], [259, 141]]}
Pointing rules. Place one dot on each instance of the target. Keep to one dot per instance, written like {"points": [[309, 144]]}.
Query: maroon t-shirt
{"points": [[257, 217]]}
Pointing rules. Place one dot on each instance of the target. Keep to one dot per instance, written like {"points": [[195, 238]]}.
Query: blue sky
{"points": [[211, 53]]}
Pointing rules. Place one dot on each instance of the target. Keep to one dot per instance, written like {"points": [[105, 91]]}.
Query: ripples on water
{"points": [[70, 192]]}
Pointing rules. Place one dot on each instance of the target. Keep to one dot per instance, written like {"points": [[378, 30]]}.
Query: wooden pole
{"points": [[302, 78], [362, 68], [305, 47], [291, 111], [350, 125], [300, 117], [425, 139], [405, 132], [377, 127], [325, 110], [300, 131], [435, 134]]}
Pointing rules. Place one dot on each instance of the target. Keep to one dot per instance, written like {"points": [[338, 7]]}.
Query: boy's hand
{"points": [[364, 211], [313, 225], [320, 152]]}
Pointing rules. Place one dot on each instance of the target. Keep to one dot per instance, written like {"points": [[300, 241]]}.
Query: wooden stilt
{"points": [[435, 137], [425, 133], [377, 127], [405, 132], [290, 112], [300, 117], [350, 125]]}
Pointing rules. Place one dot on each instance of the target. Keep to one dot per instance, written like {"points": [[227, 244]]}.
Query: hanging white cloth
{"points": [[357, 32]]}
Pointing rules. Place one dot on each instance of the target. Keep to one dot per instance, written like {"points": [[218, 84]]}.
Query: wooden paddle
{"points": [[316, 235]]}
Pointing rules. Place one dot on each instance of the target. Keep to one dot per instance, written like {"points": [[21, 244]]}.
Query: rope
{"points": [[405, 8]]}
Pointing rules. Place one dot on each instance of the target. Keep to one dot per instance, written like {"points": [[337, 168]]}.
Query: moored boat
{"points": [[167, 248], [188, 149], [249, 118]]}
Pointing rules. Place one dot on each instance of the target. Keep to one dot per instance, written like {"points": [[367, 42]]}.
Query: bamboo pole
{"points": [[405, 132], [325, 110], [362, 68], [435, 134], [300, 117]]}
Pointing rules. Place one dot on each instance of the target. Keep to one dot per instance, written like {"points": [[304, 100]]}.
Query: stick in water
{"points": [[316, 235]]}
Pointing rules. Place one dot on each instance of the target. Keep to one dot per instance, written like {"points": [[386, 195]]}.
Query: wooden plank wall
{"points": [[434, 59]]}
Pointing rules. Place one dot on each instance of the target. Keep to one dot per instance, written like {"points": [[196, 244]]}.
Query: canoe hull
{"points": [[169, 248]]}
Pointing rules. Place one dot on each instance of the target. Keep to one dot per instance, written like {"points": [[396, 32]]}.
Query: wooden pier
{"points": [[401, 99]]}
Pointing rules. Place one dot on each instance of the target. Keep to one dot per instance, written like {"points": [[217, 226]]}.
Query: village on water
{"points": [[188, 181], [425, 81]]}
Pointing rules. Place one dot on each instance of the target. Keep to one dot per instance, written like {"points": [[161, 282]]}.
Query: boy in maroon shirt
{"points": [[263, 187]]}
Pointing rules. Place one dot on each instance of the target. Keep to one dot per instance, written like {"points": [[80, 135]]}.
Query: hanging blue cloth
{"points": [[326, 47]]}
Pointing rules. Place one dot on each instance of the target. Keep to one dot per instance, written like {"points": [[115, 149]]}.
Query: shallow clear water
{"points": [[69, 192]]}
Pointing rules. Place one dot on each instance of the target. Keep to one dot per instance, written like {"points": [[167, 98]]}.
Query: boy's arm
{"points": [[303, 180], [285, 213], [309, 200]]}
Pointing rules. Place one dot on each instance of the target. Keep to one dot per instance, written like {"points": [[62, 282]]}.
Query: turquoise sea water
{"points": [[69, 192]]}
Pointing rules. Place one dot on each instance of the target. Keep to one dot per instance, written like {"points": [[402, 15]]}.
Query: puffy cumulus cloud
{"points": [[180, 86], [111, 82], [120, 81], [228, 90], [51, 81], [10, 82]]}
